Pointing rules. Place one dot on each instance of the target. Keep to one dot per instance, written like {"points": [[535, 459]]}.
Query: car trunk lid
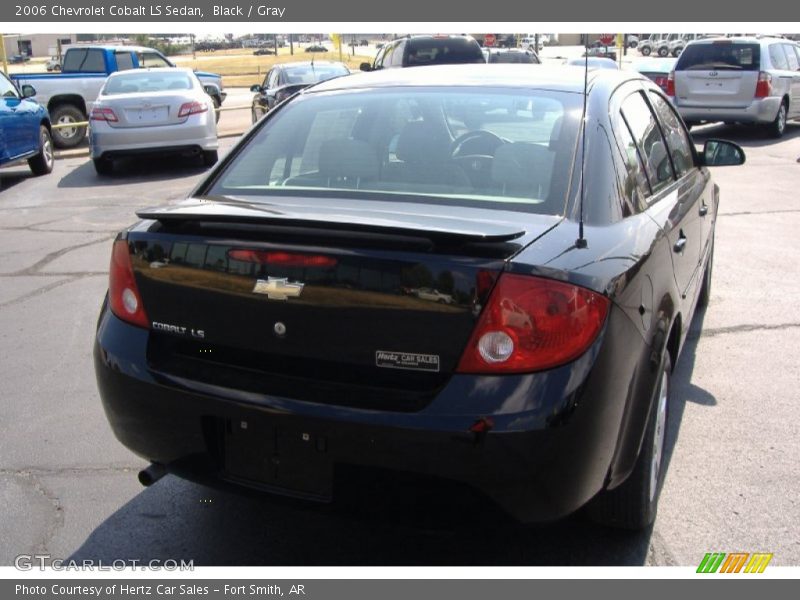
{"points": [[371, 307]]}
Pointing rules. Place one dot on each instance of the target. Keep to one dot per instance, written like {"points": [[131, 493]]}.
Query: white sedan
{"points": [[152, 111]]}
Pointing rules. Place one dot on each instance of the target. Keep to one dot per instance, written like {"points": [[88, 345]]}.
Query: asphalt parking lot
{"points": [[69, 488]]}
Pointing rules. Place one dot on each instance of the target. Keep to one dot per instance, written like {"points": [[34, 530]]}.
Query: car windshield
{"points": [[506, 149], [147, 81], [720, 56], [314, 73]]}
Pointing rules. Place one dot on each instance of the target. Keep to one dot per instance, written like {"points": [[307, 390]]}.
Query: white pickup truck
{"points": [[70, 94]]}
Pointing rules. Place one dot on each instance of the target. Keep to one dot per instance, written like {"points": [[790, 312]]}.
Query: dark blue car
{"points": [[24, 129]]}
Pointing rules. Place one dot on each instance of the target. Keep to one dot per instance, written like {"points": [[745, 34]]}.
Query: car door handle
{"points": [[703, 210], [680, 245]]}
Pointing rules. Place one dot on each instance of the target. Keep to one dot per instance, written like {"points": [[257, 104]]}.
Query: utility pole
{"points": [[291, 44]]}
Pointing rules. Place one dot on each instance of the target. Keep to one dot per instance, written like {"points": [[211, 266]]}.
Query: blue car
{"points": [[24, 129]]}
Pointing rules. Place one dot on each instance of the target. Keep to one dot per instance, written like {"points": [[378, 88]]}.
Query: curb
{"points": [[84, 152]]}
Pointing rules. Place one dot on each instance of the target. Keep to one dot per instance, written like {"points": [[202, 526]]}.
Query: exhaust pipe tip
{"points": [[151, 474]]}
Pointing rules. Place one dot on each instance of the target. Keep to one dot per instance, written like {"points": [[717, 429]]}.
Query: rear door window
{"points": [[722, 55], [678, 143], [647, 134], [124, 60], [792, 57], [777, 57]]}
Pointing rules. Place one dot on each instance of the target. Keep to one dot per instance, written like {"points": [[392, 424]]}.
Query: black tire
{"points": [[210, 157], [705, 289], [632, 45], [777, 128], [663, 52], [217, 104], [42, 163], [70, 137], [633, 504], [103, 166], [646, 51]]}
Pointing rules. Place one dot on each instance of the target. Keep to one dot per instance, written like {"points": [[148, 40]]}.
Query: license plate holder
{"points": [[289, 460]]}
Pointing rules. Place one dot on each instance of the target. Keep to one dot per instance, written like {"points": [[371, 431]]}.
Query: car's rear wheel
{"points": [[210, 157], [663, 52], [103, 166], [67, 137], [633, 504], [42, 163], [646, 51], [777, 128]]}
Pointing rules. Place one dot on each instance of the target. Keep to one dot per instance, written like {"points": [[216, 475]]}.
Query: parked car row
{"points": [[70, 94]]}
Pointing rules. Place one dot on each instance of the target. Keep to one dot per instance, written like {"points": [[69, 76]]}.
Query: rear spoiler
{"points": [[438, 229]]}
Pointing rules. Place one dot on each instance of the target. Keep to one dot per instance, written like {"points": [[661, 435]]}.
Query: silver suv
{"points": [[738, 80]]}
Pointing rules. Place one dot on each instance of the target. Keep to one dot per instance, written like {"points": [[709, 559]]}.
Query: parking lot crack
{"points": [[56, 521], [759, 212], [744, 328], [32, 270]]}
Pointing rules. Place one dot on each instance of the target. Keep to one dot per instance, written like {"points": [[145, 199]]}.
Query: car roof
{"points": [[561, 78], [308, 63], [749, 39], [152, 70], [110, 47]]}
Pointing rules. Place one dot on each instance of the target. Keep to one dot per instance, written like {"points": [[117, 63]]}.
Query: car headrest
{"points": [[347, 158], [418, 144], [521, 165]]}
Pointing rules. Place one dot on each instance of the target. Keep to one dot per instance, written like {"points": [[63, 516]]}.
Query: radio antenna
{"points": [[581, 241]]}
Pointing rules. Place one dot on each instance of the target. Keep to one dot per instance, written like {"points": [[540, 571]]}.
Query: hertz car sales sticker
{"points": [[407, 360]]}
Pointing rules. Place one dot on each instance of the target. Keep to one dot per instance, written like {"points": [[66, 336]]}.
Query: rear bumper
{"points": [[105, 140], [553, 440], [763, 110]]}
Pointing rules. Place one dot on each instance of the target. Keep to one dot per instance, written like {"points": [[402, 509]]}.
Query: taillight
{"points": [[126, 301], [671, 84], [764, 85], [285, 259], [103, 114], [192, 108], [531, 324], [661, 82]]}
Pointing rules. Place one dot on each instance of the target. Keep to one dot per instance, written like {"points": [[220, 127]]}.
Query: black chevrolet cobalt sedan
{"points": [[438, 271]]}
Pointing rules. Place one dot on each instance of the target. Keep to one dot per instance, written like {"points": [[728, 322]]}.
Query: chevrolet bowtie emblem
{"points": [[278, 288]]}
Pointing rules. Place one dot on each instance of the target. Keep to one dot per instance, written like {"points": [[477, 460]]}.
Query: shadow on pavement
{"points": [[134, 170], [683, 390], [10, 178]]}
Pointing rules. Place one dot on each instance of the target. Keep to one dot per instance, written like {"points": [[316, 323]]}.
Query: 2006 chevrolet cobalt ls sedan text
{"points": [[270, 330]]}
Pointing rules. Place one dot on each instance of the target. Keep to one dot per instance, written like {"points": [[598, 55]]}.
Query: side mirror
{"points": [[210, 90], [256, 89], [28, 91], [721, 153], [365, 66]]}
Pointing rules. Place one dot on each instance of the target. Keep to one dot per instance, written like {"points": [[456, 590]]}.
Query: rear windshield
{"points": [[313, 73], [720, 56], [443, 51], [512, 57], [471, 147], [137, 82]]}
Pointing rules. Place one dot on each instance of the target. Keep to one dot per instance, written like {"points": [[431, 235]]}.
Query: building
{"points": [[37, 44]]}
